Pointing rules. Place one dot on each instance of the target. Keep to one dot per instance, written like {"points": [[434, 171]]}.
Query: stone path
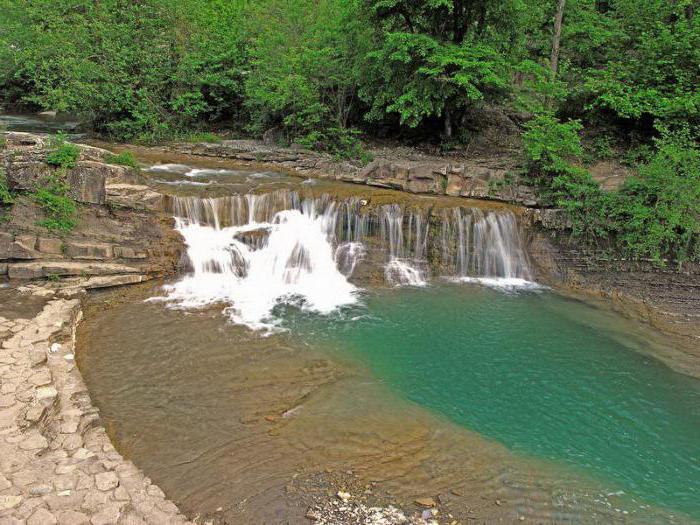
{"points": [[57, 464]]}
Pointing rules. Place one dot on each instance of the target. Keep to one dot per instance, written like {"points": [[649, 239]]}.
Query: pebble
{"points": [[425, 502]]}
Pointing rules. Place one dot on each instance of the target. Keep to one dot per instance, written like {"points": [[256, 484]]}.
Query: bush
{"points": [[59, 208], [550, 145], [5, 195], [657, 212], [125, 158], [202, 136], [64, 155], [340, 142]]}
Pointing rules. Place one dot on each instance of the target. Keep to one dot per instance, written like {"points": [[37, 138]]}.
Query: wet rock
{"points": [[425, 502]]}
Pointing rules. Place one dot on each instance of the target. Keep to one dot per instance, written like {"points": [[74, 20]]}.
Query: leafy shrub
{"points": [[125, 158], [655, 214], [340, 142], [59, 208], [5, 195], [64, 154], [550, 144]]}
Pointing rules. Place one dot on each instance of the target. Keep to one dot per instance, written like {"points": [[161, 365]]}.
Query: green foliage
{"points": [[6, 197], [305, 60], [202, 136], [315, 72], [656, 213], [63, 155], [125, 158], [435, 60], [59, 208], [550, 145]]}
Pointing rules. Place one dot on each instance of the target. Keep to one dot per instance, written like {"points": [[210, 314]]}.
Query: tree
{"points": [[436, 59], [556, 39]]}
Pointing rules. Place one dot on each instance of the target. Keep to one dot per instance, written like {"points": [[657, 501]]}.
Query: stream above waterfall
{"points": [[321, 328]]}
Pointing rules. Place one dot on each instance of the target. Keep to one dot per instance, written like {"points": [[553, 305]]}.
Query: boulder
{"points": [[49, 246], [87, 182], [43, 269], [87, 250]]}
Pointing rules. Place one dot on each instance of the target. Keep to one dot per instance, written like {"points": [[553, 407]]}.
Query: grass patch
{"points": [[60, 209], [6, 197], [64, 154], [125, 158]]}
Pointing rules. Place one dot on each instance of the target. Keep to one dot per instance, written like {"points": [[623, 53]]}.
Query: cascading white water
{"points": [[406, 264], [297, 262], [484, 246], [253, 252]]}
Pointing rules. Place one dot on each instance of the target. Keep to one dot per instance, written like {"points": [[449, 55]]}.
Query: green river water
{"points": [[546, 376]]}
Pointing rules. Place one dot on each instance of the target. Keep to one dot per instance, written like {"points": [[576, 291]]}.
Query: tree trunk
{"points": [[448, 123], [556, 39]]}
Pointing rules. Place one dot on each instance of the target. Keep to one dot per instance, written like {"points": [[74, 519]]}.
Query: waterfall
{"points": [[406, 264], [253, 252], [483, 245]]}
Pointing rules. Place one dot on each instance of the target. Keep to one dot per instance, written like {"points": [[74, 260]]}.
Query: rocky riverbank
{"points": [[57, 464], [667, 298], [488, 177], [121, 236]]}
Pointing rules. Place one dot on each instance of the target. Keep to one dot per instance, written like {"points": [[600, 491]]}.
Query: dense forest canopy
{"points": [[622, 74]]}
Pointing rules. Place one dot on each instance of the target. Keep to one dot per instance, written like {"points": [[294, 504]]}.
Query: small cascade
{"points": [[253, 252], [483, 245], [407, 263]]}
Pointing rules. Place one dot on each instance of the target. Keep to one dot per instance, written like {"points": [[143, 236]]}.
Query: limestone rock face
{"points": [[121, 237], [481, 177], [26, 168]]}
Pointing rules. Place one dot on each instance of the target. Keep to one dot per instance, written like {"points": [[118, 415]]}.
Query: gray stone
{"points": [[85, 250], [37, 355], [41, 378], [154, 490], [4, 483], [34, 442], [40, 490], [72, 442], [49, 246], [72, 517]]}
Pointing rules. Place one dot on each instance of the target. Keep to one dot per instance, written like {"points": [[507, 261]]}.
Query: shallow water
{"points": [[546, 376], [571, 425]]}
